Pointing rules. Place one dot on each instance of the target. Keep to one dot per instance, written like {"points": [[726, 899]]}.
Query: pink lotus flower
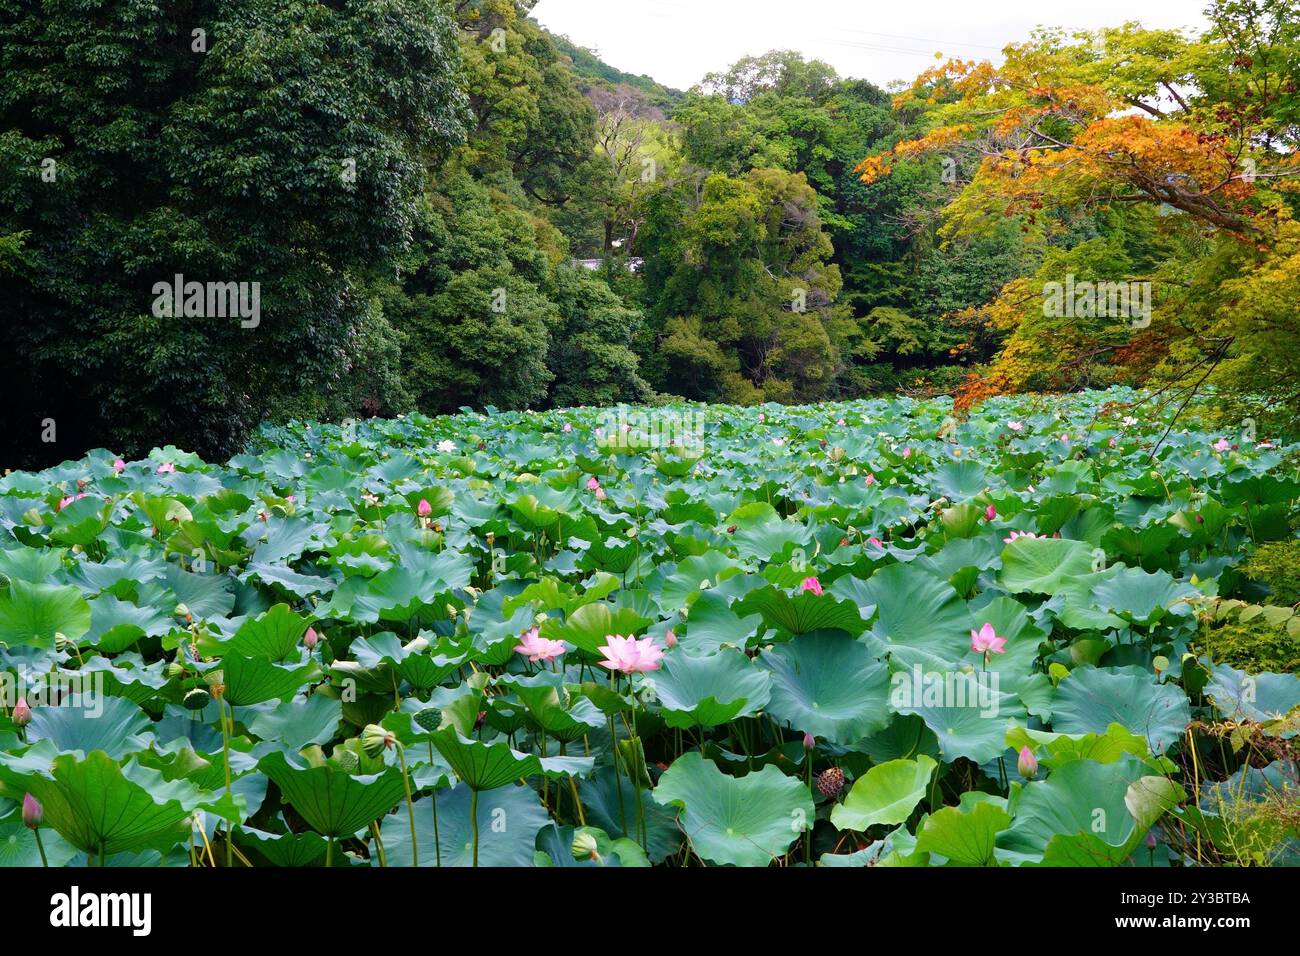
{"points": [[871, 480], [809, 741], [568, 427], [166, 468], [1111, 443], [424, 509], [986, 641], [876, 541], [119, 466], [1065, 437], [840, 422], [537, 648], [33, 812], [761, 418], [1027, 764], [1020, 534], [990, 513], [811, 584], [1016, 426], [1222, 445], [907, 453], [311, 638], [670, 639], [600, 494], [593, 483], [22, 713], [629, 654]]}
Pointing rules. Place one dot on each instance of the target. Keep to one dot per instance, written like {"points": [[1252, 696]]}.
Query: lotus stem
{"points": [[40, 847], [473, 818], [410, 805]]}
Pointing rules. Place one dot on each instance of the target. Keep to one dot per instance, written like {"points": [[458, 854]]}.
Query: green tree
{"points": [[217, 140]]}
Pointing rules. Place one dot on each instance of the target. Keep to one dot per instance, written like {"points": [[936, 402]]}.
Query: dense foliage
{"points": [[849, 634], [410, 183]]}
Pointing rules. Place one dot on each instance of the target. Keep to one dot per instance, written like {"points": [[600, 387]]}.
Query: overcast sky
{"points": [[678, 41]]}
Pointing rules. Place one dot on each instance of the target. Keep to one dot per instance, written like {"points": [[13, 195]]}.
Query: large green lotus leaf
{"points": [[601, 794], [561, 714], [286, 849], [486, 766], [964, 837], [1056, 749], [1259, 697], [691, 574], [98, 805], [1090, 699], [296, 723], [590, 626], [711, 624], [18, 846], [509, 819], [1041, 565], [958, 480], [803, 613], [34, 613], [81, 521], [918, 609], [253, 680], [904, 738], [885, 795], [277, 634], [96, 722], [206, 595], [1142, 597], [117, 625], [1087, 814], [736, 821], [710, 690], [770, 538], [30, 564], [829, 685], [968, 712], [333, 802], [422, 664]]}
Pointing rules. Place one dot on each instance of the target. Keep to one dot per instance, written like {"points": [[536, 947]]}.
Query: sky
{"points": [[678, 41]]}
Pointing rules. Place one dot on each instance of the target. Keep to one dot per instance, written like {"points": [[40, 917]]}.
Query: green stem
{"points": [[473, 819], [40, 848], [225, 749], [410, 805], [329, 853]]}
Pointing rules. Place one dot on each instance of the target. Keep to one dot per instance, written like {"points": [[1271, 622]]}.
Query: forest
{"points": [[413, 195]]}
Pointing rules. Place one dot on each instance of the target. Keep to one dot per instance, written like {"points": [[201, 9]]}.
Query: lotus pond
{"points": [[844, 635]]}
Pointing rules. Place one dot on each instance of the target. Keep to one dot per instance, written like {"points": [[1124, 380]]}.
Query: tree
{"points": [[274, 142], [741, 289]]}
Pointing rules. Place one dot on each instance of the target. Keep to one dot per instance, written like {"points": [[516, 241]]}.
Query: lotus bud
{"points": [[990, 513], [809, 741], [670, 639], [1027, 764], [22, 714], [311, 638], [375, 740], [585, 847], [33, 812], [424, 509]]}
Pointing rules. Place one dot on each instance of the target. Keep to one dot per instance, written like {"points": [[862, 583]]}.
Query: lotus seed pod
{"points": [[196, 699], [429, 719]]}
